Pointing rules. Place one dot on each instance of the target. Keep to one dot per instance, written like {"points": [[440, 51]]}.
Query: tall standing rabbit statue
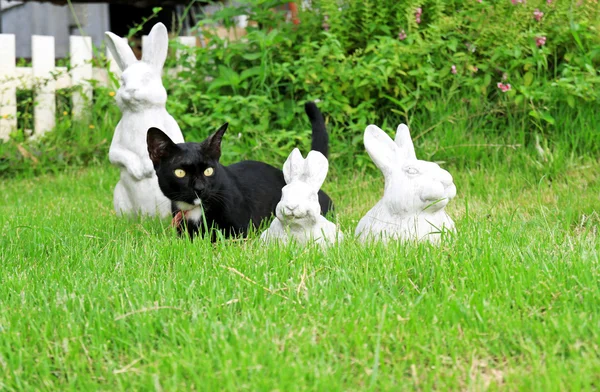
{"points": [[142, 99], [415, 194], [298, 214]]}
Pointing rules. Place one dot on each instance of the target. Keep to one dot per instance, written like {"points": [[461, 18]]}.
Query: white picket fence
{"points": [[47, 78]]}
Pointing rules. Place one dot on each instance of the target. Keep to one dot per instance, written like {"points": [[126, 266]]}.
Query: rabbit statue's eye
{"points": [[209, 171], [411, 170], [179, 173]]}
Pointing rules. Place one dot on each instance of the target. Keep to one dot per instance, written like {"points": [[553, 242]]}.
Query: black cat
{"points": [[227, 198]]}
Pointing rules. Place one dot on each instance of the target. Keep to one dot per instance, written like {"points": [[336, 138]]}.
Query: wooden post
{"points": [[8, 90], [81, 72], [44, 112], [294, 12], [188, 41]]}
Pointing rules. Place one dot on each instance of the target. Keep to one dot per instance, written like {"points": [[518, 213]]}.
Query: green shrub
{"points": [[371, 61], [375, 63], [72, 143]]}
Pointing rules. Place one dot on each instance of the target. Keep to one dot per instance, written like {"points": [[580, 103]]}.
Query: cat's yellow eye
{"points": [[179, 173], [209, 171]]}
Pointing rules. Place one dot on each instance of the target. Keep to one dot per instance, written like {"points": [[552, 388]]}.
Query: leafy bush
{"points": [[388, 61], [72, 143], [463, 72]]}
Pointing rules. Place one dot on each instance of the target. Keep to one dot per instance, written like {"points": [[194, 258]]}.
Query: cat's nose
{"points": [[198, 186]]}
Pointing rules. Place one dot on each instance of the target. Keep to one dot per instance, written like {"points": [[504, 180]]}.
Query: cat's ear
{"points": [[212, 146], [160, 145]]}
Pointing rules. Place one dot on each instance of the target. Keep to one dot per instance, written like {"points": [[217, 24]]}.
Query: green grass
{"points": [[89, 301]]}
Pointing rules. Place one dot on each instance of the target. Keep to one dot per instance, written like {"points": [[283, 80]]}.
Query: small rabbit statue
{"points": [[142, 99], [298, 214], [415, 193]]}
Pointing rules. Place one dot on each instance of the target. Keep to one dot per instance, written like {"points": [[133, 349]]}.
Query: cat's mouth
{"points": [[187, 211], [183, 206]]}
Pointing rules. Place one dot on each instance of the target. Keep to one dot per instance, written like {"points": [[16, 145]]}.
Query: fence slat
{"points": [[44, 112], [40, 77], [188, 41], [8, 90], [81, 72]]}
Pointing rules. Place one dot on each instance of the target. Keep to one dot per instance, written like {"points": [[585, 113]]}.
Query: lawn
{"points": [[89, 301]]}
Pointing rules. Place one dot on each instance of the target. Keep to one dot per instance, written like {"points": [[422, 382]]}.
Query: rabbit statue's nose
{"points": [[446, 179], [292, 207]]}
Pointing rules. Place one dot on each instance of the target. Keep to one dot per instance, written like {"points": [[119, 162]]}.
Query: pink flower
{"points": [[325, 25], [418, 13], [540, 41], [504, 87], [549, 1], [475, 69], [537, 14], [479, 1], [401, 35], [453, 69], [515, 2]]}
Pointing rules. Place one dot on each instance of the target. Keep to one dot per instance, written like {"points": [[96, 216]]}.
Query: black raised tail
{"points": [[320, 139]]}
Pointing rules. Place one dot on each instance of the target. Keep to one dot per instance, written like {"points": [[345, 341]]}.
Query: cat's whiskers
{"points": [[222, 198]]}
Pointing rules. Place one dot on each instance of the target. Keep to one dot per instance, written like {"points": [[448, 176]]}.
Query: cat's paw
{"points": [[177, 219]]}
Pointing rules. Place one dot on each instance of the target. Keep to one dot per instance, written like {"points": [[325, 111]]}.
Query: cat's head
{"points": [[188, 173]]}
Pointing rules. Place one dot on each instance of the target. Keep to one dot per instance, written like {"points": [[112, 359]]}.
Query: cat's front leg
{"points": [[185, 226]]}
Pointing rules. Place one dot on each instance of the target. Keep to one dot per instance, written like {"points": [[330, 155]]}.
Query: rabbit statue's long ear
{"points": [[120, 50], [381, 148], [293, 168], [158, 46], [315, 169], [404, 141]]}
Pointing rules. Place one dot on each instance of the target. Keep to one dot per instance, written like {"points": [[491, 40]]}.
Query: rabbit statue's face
{"points": [[412, 186], [299, 203], [419, 186], [141, 87], [141, 84]]}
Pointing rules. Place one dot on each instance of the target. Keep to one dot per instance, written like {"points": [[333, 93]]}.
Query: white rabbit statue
{"points": [[142, 99], [415, 193], [298, 214]]}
